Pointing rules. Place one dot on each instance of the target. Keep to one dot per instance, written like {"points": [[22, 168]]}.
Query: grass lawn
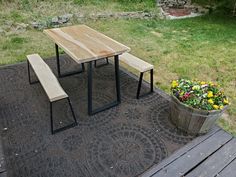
{"points": [[203, 48]]}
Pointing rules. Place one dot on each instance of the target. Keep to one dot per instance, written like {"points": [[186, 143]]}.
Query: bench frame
{"points": [[140, 84], [53, 131]]}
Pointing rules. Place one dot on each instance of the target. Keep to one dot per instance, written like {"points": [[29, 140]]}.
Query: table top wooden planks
{"points": [[85, 44]]}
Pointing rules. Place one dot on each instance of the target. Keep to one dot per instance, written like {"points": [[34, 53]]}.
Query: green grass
{"points": [[201, 48]]}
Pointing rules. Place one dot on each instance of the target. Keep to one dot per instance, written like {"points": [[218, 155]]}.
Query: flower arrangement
{"points": [[199, 94]]}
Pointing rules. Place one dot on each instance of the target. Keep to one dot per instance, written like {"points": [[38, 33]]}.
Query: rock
{"points": [[79, 15], [64, 18], [20, 27], [55, 20], [9, 23], [1, 31], [39, 25]]}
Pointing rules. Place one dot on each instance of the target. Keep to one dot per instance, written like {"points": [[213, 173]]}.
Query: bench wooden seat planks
{"points": [[141, 66], [50, 85]]}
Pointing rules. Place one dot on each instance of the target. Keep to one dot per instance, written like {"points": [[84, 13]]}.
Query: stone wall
{"points": [[173, 3]]}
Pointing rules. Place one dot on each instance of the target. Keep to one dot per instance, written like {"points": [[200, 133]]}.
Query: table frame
{"points": [[92, 111], [90, 90], [59, 68]]}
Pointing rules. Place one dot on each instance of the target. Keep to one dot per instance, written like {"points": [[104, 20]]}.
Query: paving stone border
{"points": [[66, 18]]}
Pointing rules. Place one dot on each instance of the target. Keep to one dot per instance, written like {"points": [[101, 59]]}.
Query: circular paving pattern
{"points": [[48, 165], [20, 96], [159, 117], [108, 75], [129, 89], [98, 119], [133, 113], [11, 74], [72, 143], [125, 150], [21, 143]]}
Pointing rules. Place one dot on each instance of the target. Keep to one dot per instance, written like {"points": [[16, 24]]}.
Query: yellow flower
{"points": [[210, 101], [211, 84], [221, 107], [226, 101], [215, 106], [209, 94], [203, 83], [174, 84]]}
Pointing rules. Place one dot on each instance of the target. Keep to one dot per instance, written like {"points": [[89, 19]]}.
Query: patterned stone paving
{"points": [[121, 142]]}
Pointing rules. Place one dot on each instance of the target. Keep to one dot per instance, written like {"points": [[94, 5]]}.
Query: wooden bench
{"points": [[141, 66], [50, 85]]}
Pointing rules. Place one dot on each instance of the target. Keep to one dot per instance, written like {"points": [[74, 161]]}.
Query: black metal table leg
{"points": [[59, 69], [97, 66], [92, 111], [117, 73], [58, 61], [90, 87]]}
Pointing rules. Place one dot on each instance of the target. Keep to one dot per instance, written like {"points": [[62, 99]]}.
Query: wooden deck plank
{"points": [[84, 44], [193, 157], [46, 77], [216, 162], [4, 174], [229, 171], [180, 152]]}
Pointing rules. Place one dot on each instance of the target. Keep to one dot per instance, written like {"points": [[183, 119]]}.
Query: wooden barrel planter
{"points": [[193, 121]]}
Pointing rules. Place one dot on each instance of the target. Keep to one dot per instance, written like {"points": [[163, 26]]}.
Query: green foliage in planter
{"points": [[199, 94]]}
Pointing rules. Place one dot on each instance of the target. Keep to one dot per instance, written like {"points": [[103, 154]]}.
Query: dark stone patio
{"points": [[123, 141]]}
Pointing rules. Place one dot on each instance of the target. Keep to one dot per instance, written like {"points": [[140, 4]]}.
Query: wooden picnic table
{"points": [[85, 45]]}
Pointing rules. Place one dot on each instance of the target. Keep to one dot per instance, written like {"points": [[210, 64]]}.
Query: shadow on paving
{"points": [[120, 142]]}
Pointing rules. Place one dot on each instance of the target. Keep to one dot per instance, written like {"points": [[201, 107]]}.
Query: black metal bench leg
{"points": [[65, 127], [28, 66], [139, 85], [29, 75], [151, 80], [96, 66], [72, 111], [51, 118]]}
